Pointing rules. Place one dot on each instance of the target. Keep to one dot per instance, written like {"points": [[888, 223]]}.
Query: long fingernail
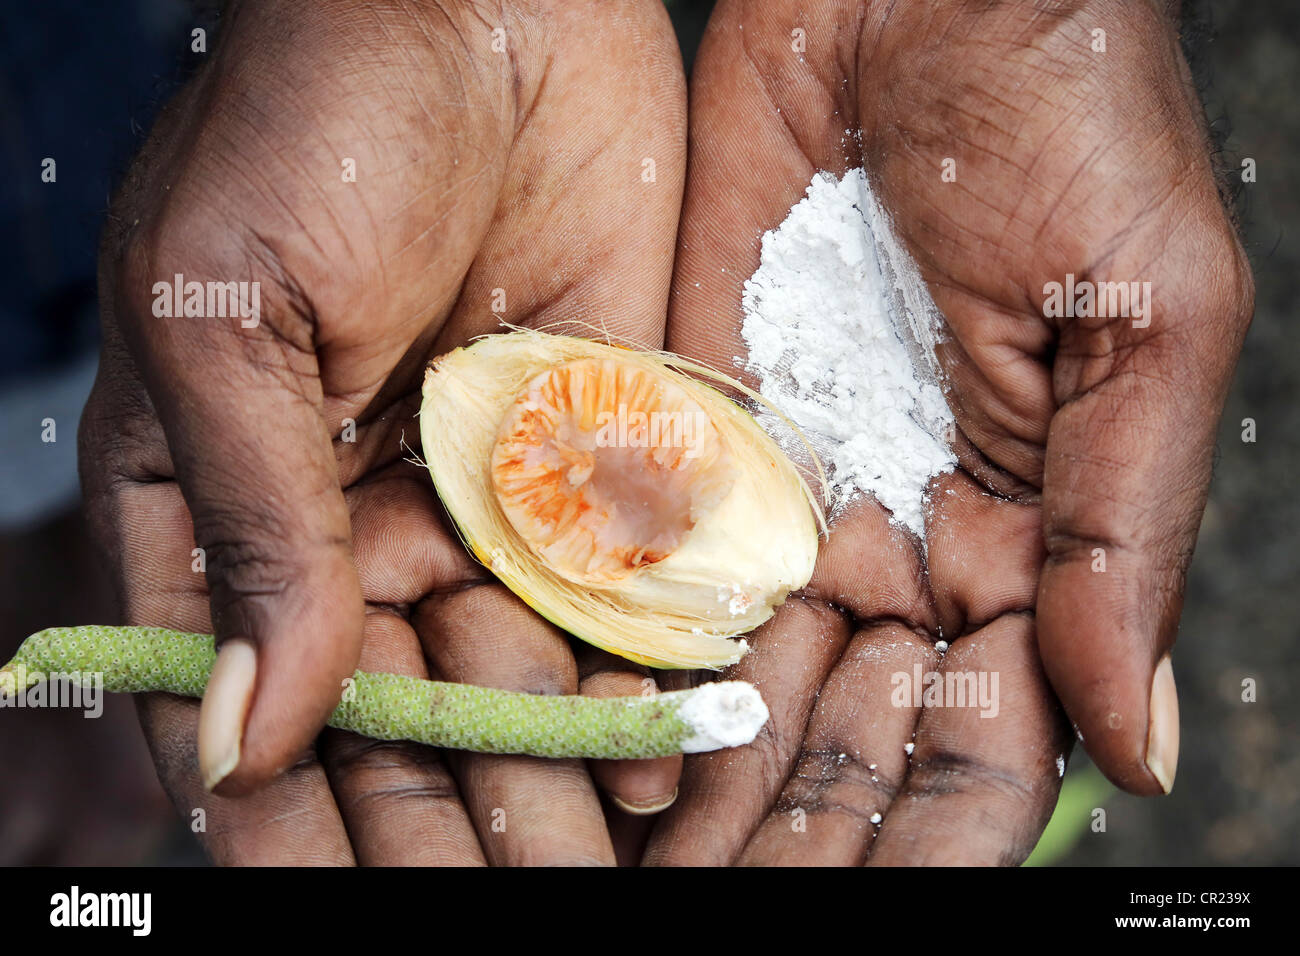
{"points": [[1162, 735], [644, 809], [224, 710]]}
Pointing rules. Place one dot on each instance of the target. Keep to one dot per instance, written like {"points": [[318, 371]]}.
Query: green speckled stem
{"points": [[383, 706]]}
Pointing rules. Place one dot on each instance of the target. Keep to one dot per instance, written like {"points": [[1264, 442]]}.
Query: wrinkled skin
{"points": [[478, 171], [1076, 434]]}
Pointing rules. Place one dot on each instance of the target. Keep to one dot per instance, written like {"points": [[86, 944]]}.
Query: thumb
{"points": [[240, 402], [1127, 469]]}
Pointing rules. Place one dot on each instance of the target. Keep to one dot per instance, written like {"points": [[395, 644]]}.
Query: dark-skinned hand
{"points": [[520, 162], [1075, 434]]}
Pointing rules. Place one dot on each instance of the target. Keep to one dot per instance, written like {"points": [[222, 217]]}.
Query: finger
{"points": [[402, 548], [727, 793], [398, 800], [984, 554], [983, 558], [989, 753], [403, 551], [871, 567], [853, 761], [253, 459], [269, 514], [413, 787], [528, 811], [867, 570], [1129, 459], [636, 787], [294, 820], [291, 822], [629, 834], [153, 538]]}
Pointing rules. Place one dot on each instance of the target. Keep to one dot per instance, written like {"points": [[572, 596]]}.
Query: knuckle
{"points": [[243, 575], [234, 244], [552, 676], [254, 560], [119, 436], [835, 779], [392, 770], [948, 772], [248, 567], [776, 753], [1242, 289]]}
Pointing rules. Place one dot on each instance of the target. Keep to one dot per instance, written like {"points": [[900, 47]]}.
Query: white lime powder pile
{"points": [[841, 331]]}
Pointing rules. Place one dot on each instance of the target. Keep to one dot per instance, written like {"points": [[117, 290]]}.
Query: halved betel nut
{"points": [[636, 507]]}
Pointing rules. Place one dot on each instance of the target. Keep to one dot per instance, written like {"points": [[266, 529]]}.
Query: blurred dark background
{"points": [[80, 84]]}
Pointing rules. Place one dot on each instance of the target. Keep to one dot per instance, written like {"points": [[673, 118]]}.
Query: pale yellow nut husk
{"points": [[659, 542]]}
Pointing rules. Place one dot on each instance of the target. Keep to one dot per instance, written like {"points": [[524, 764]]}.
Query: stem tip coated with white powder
{"points": [[723, 714], [396, 707]]}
